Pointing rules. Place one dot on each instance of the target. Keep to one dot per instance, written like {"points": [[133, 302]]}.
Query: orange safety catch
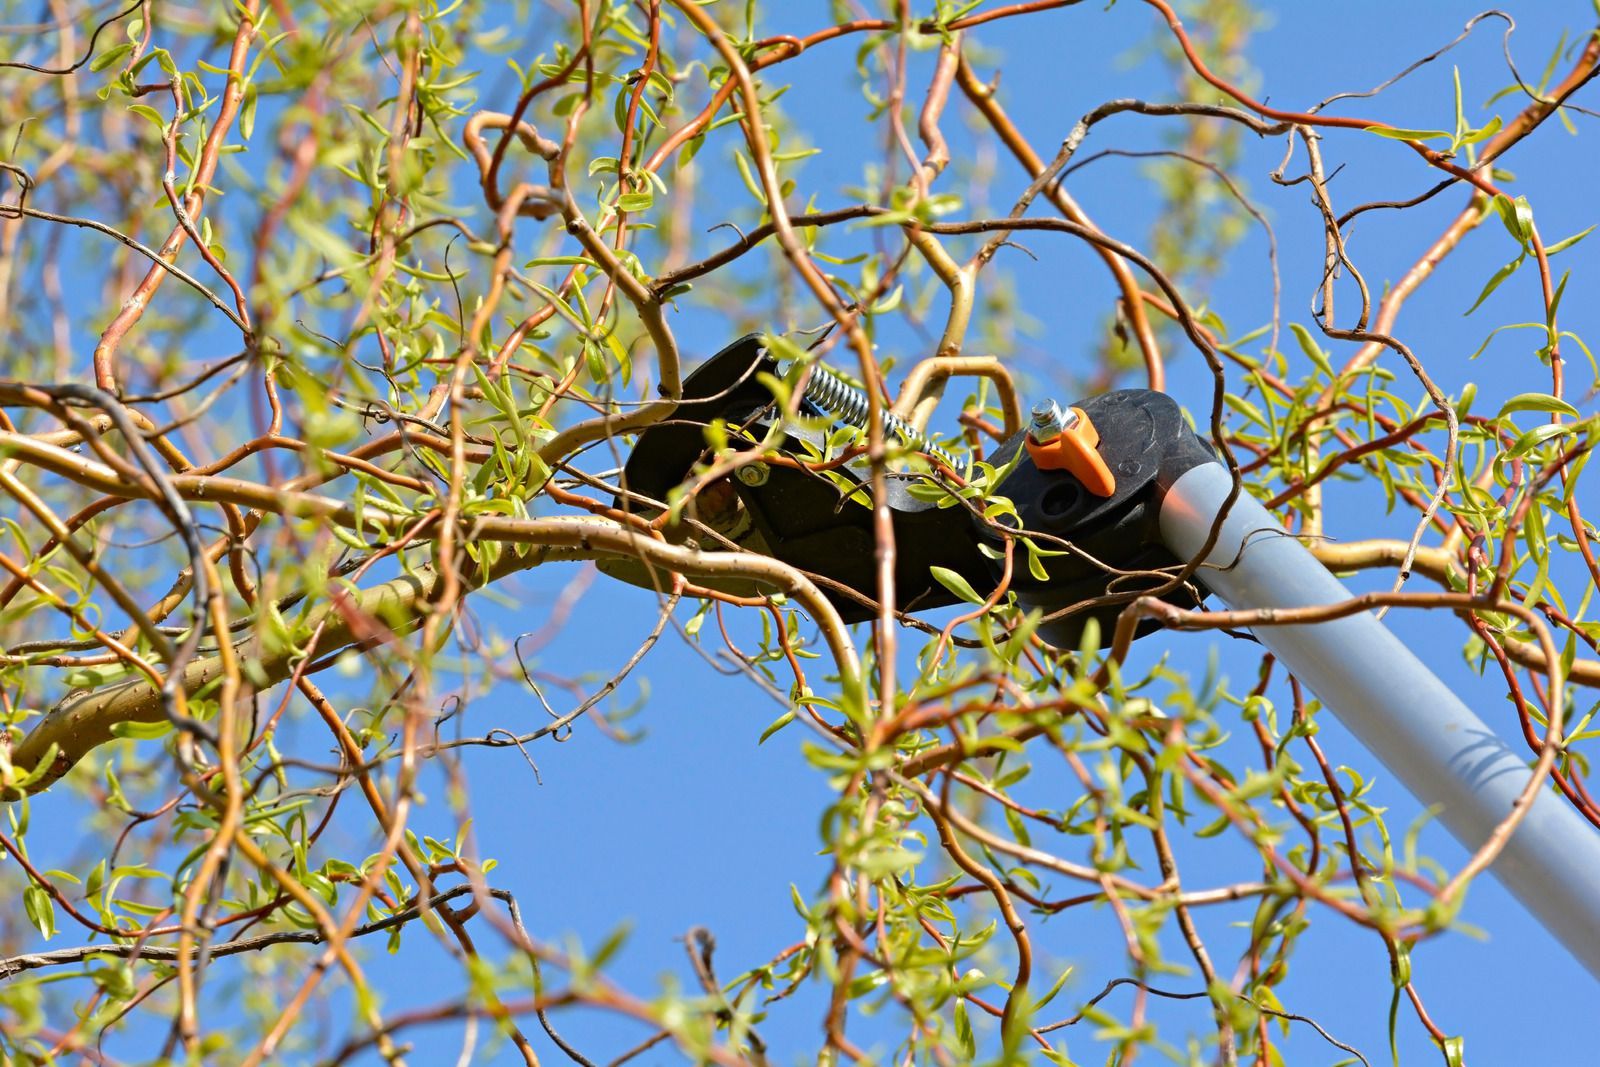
{"points": [[1074, 451]]}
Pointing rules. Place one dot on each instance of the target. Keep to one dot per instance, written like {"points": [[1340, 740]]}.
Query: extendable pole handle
{"points": [[1443, 753]]}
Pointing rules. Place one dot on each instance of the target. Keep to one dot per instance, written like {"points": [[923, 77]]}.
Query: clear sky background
{"points": [[698, 825]]}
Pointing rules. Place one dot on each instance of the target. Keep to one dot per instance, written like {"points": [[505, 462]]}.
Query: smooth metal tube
{"points": [[1443, 753]]}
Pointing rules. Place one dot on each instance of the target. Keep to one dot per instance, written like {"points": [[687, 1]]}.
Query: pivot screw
{"points": [[1049, 421], [753, 474]]}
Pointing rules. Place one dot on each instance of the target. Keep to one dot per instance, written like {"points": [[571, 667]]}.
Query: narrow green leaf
{"points": [[1309, 346], [1567, 242], [41, 910], [1536, 437], [777, 724], [956, 584], [1483, 133], [1396, 134], [632, 202], [1538, 402], [1494, 283], [141, 731], [110, 56]]}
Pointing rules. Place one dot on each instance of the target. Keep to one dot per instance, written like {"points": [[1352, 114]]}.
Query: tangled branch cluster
{"points": [[332, 395]]}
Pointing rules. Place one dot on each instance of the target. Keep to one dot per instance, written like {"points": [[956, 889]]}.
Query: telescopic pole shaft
{"points": [[1443, 753]]}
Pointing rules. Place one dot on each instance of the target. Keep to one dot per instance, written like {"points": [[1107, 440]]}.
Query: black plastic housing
{"points": [[798, 516], [1147, 444], [805, 520]]}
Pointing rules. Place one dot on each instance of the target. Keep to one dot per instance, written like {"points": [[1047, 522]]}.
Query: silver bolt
{"points": [[1049, 421], [754, 474]]}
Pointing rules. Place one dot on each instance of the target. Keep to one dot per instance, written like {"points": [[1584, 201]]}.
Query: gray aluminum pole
{"points": [[1407, 717]]}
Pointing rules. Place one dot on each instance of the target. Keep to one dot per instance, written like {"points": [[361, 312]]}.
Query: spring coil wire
{"points": [[850, 405]]}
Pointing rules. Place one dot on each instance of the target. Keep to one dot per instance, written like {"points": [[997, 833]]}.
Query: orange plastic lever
{"points": [[1074, 450]]}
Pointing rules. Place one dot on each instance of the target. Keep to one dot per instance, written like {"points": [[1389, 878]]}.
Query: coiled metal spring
{"points": [[850, 405]]}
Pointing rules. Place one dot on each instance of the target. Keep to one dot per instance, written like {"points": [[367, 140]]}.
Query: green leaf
{"points": [[1494, 282], [1483, 133], [964, 1036], [777, 724], [1461, 115], [1567, 242], [110, 56], [41, 910], [1396, 134], [632, 202], [956, 584], [749, 178], [1538, 402], [1309, 346], [1516, 215], [608, 948], [1248, 410], [1054, 989], [890, 302], [141, 731], [150, 113], [247, 114], [1498, 330], [1536, 437]]}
